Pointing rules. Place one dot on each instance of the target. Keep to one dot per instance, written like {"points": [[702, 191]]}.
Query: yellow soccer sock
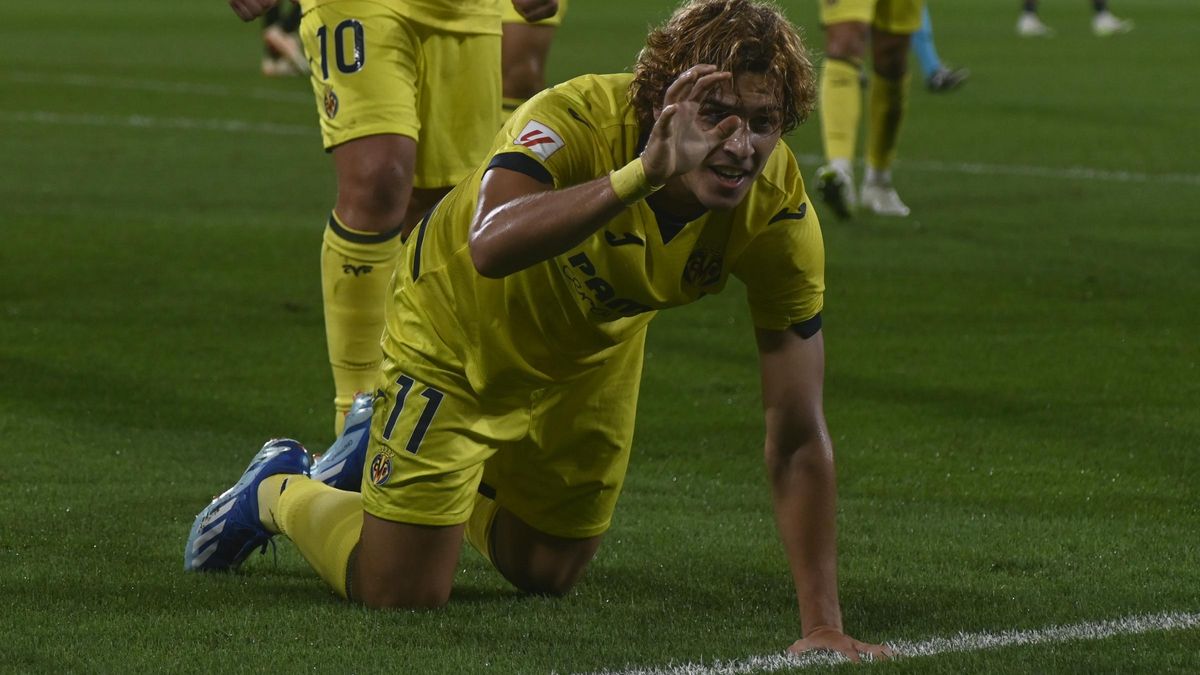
{"points": [[479, 527], [324, 523], [888, 101], [356, 268], [841, 107]]}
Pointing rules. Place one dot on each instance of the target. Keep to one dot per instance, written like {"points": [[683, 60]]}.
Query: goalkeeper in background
{"points": [[504, 411]]}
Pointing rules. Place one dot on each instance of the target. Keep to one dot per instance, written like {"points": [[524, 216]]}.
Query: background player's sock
{"points": [[888, 100], [356, 268], [841, 107]]}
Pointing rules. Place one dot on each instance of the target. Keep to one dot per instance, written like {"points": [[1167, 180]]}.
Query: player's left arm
{"points": [[799, 459]]}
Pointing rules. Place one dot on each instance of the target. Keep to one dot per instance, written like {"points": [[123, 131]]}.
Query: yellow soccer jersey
{"points": [[455, 16], [558, 318]]}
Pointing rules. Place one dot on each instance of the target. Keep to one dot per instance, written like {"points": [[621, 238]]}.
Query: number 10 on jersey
{"points": [[349, 47]]}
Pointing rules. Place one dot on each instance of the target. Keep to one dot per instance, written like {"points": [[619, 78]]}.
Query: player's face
{"points": [[725, 177]]}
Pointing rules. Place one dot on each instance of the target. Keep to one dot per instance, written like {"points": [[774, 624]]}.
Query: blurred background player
{"points": [[938, 77], [524, 50], [1104, 23], [408, 96], [283, 55], [851, 26]]}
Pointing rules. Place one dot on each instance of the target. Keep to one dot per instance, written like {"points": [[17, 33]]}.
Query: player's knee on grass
{"points": [[536, 562], [404, 566]]}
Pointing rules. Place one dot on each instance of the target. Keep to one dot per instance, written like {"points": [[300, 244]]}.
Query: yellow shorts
{"points": [[376, 72], [511, 15], [893, 16], [554, 456]]}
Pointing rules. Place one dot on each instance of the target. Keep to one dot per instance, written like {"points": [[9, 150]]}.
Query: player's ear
{"points": [[656, 111]]}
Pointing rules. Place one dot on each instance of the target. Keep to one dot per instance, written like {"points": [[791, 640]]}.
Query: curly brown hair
{"points": [[739, 36]]}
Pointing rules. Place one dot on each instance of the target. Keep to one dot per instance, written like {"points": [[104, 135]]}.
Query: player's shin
{"points": [[888, 101], [324, 523], [356, 268], [841, 107]]}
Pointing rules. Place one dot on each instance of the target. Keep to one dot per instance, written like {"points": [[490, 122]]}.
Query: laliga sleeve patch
{"points": [[539, 138]]}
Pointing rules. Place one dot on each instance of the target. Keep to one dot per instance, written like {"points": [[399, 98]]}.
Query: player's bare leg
{"points": [[536, 562], [888, 100], [403, 565], [524, 50]]}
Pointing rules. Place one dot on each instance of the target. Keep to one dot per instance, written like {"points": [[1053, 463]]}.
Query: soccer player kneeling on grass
{"points": [[505, 407]]}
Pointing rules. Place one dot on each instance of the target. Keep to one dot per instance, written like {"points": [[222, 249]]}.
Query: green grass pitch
{"points": [[1012, 378]]}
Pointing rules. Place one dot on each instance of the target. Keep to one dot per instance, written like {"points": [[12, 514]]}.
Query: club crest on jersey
{"points": [[381, 468], [539, 138], [703, 268], [331, 104]]}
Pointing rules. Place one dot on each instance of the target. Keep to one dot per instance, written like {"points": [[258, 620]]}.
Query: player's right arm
{"points": [[521, 221], [249, 10]]}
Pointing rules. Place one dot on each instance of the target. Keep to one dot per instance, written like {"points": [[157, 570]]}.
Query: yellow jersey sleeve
{"points": [[562, 138], [783, 265]]}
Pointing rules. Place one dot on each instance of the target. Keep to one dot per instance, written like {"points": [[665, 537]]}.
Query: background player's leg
{"points": [[888, 101], [841, 111], [360, 249], [524, 50]]}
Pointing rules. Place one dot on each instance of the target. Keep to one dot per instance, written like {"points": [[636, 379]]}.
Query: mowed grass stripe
{"points": [[931, 166]]}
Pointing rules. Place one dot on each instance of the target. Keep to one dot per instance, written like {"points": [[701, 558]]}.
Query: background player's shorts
{"points": [[893, 16], [554, 456], [511, 15], [376, 72]]}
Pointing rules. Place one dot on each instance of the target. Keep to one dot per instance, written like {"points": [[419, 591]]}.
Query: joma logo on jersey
{"points": [[597, 291], [356, 269], [703, 268], [539, 138]]}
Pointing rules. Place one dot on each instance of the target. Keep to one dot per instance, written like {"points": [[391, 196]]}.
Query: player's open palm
{"points": [[828, 639], [682, 136]]}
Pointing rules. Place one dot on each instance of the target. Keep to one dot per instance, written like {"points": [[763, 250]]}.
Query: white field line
{"points": [[1062, 173], [157, 86], [246, 126], [147, 122], [962, 642]]}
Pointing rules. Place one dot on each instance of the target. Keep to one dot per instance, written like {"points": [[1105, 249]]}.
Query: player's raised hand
{"points": [[681, 138], [829, 639], [535, 10], [249, 10]]}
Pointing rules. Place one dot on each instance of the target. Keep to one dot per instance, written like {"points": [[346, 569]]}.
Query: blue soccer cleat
{"points": [[341, 466], [228, 529]]}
